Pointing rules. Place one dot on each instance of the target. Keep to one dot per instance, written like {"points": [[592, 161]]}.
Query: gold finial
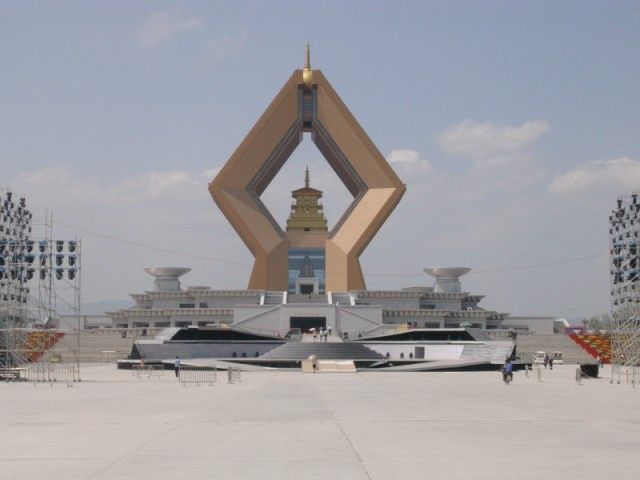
{"points": [[307, 57], [307, 73], [306, 177]]}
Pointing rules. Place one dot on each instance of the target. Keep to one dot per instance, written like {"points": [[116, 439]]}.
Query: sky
{"points": [[513, 124]]}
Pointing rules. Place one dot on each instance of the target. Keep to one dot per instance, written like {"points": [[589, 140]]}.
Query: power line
{"points": [[151, 247], [245, 264], [503, 269], [544, 264]]}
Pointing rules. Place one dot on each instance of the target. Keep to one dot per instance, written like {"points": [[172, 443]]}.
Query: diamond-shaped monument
{"points": [[307, 103]]}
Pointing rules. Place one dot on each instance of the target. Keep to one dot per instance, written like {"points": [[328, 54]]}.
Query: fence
{"points": [[68, 373], [148, 371], [233, 375], [620, 374], [197, 375]]}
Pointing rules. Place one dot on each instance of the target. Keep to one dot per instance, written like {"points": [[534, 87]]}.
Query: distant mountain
{"points": [[98, 308]]}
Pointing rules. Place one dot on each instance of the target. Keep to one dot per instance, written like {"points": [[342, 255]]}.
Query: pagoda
{"points": [[307, 214]]}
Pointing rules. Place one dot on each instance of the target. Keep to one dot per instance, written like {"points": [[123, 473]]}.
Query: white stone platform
{"points": [[288, 425]]}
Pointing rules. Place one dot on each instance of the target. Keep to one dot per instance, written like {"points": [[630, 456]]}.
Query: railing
{"points": [[632, 374], [197, 375], [148, 371], [294, 334], [233, 375], [68, 373]]}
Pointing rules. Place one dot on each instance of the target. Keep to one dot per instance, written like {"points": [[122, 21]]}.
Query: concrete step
{"points": [[312, 298], [571, 352], [324, 351], [90, 345]]}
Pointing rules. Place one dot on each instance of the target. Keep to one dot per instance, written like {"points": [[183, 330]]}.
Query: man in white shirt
{"points": [[176, 365]]}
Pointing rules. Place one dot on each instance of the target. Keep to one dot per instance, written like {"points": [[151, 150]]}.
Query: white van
{"points": [[557, 357], [538, 357]]}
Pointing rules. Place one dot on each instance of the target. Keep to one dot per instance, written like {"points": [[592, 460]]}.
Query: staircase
{"points": [[549, 343], [322, 351], [595, 345], [92, 344], [496, 351], [309, 298], [273, 298], [341, 298]]}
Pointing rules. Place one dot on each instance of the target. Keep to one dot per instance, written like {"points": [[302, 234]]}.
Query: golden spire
{"points": [[306, 177], [307, 73], [307, 57]]}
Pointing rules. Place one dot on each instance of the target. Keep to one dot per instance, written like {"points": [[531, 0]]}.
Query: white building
{"points": [[352, 314]]}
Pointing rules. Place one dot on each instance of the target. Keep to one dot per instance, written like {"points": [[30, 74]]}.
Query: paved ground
{"points": [[288, 425]]}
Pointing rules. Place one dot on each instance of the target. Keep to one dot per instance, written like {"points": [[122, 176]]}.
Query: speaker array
{"points": [[23, 259]]}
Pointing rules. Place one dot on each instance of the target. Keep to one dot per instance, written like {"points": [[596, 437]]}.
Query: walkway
{"points": [[289, 425], [308, 337]]}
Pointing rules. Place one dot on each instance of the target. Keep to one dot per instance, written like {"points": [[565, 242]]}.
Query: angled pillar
{"points": [[307, 103]]}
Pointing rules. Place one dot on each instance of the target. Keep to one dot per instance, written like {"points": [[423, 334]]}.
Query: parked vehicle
{"points": [[557, 357], [538, 358]]}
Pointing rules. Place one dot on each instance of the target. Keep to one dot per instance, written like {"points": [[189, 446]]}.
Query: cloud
{"points": [[490, 145], [408, 164], [168, 209], [217, 50], [160, 26], [599, 178], [177, 186]]}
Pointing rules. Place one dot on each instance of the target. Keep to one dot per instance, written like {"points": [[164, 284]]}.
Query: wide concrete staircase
{"points": [[571, 352], [322, 351], [312, 298], [495, 352], [91, 345], [273, 298], [342, 298]]}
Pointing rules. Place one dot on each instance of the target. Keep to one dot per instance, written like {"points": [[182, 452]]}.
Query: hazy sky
{"points": [[514, 125]]}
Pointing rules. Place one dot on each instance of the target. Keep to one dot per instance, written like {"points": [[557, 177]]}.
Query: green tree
{"points": [[598, 322]]}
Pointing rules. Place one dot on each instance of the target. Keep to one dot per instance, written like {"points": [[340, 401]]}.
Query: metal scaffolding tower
{"points": [[36, 274], [624, 235]]}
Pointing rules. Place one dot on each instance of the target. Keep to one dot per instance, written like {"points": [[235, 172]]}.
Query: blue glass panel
{"points": [[296, 259]]}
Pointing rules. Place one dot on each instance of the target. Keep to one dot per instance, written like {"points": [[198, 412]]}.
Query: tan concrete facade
{"points": [[307, 103]]}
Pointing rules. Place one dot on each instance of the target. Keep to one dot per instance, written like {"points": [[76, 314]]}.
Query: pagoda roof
{"points": [[306, 191]]}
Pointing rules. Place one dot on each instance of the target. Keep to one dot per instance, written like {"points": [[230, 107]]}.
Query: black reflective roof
{"points": [[219, 334], [437, 335]]}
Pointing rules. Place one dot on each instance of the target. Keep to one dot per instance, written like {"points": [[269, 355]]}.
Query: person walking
{"points": [[578, 374], [550, 363], [546, 361], [176, 366], [507, 371]]}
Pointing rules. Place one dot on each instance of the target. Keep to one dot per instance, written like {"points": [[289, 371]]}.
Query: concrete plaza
{"points": [[289, 425]]}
